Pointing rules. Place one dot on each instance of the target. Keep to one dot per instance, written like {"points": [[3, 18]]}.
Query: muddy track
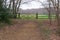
{"points": [[26, 31]]}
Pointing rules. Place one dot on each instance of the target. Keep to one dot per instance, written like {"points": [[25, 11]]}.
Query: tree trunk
{"points": [[57, 14], [50, 13], [10, 4], [19, 15], [18, 8], [5, 3], [13, 6], [14, 9], [50, 18]]}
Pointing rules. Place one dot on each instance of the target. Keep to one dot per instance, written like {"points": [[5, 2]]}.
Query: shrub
{"points": [[4, 13]]}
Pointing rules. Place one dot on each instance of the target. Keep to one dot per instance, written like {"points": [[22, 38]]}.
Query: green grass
{"points": [[33, 16]]}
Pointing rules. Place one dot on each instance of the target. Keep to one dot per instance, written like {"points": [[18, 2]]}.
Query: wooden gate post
{"points": [[36, 15]]}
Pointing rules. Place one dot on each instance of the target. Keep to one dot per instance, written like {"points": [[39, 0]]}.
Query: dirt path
{"points": [[26, 31]]}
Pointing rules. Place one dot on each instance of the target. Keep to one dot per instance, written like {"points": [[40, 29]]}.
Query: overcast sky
{"points": [[31, 5]]}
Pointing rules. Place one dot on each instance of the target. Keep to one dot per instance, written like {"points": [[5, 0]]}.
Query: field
{"points": [[33, 16]]}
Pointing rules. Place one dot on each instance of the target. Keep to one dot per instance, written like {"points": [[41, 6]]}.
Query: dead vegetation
{"points": [[29, 30]]}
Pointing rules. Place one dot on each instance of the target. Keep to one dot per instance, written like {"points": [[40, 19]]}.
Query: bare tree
{"points": [[18, 8], [10, 3], [13, 6], [5, 3], [16, 5], [56, 5], [48, 8], [57, 13], [49, 11]]}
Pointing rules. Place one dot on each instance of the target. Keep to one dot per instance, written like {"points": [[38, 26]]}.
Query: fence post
{"points": [[36, 15]]}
